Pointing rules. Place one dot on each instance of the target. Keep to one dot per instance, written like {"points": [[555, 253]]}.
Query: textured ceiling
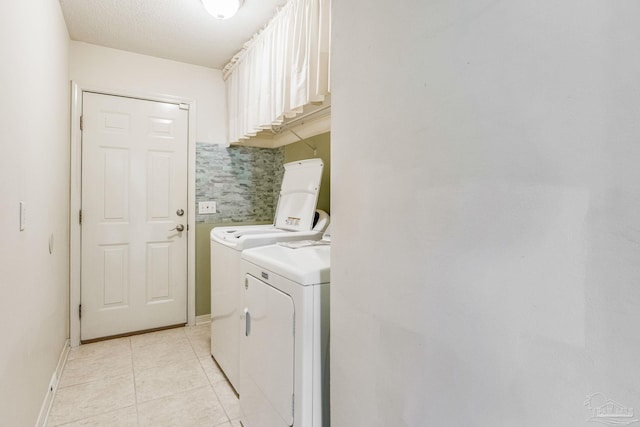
{"points": [[180, 30]]}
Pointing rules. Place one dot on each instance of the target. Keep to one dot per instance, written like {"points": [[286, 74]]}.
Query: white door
{"points": [[134, 195]]}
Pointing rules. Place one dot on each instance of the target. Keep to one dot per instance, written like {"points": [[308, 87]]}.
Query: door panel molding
{"points": [[77, 90]]}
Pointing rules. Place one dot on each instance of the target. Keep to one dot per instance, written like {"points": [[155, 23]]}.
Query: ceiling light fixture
{"points": [[222, 9]]}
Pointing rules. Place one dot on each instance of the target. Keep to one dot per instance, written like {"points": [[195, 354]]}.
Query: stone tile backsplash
{"points": [[243, 181]]}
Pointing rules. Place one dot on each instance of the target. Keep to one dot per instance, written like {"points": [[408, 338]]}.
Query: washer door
{"points": [[267, 356]]}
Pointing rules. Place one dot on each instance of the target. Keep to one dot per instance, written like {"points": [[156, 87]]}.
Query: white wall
{"points": [[103, 68], [485, 211], [34, 168]]}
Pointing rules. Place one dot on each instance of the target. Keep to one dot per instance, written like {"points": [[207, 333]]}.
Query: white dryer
{"points": [[284, 370], [294, 220]]}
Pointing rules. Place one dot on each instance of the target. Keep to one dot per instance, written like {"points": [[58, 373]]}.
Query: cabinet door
{"points": [[267, 363]]}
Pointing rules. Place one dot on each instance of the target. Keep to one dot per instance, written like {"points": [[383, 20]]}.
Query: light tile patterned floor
{"points": [[165, 378]]}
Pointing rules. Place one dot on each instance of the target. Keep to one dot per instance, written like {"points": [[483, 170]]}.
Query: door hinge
{"points": [[293, 403], [81, 122], [80, 311], [80, 217]]}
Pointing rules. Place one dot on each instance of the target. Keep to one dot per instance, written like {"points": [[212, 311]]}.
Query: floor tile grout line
{"points": [[90, 381], [164, 365], [103, 378], [210, 384], [100, 344], [135, 388], [92, 416], [212, 388], [215, 392], [160, 342], [190, 360], [76, 420]]}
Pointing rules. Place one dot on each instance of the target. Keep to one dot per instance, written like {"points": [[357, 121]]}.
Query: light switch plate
{"points": [[207, 207]]}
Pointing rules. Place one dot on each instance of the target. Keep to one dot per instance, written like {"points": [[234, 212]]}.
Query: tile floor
{"points": [[165, 378]]}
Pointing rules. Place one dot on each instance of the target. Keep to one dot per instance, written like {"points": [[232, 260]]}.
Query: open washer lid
{"points": [[298, 195]]}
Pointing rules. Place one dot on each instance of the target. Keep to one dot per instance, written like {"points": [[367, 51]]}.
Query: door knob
{"points": [[178, 227], [180, 212]]}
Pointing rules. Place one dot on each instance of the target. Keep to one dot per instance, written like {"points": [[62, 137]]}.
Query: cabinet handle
{"points": [[247, 322]]}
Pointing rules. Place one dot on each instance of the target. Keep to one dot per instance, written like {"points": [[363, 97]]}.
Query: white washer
{"points": [[294, 218], [284, 371]]}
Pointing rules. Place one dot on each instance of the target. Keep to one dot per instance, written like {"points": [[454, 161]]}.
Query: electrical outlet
{"points": [[207, 207]]}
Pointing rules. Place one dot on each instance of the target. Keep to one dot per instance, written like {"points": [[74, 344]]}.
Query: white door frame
{"points": [[76, 192]]}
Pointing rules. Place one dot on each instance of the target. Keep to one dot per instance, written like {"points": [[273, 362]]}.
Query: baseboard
{"points": [[201, 320], [53, 386]]}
